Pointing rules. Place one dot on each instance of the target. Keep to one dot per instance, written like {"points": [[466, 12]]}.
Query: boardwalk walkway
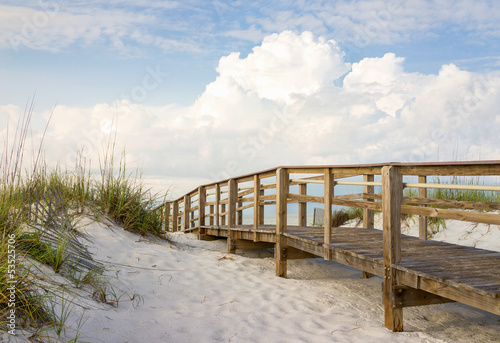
{"points": [[416, 271]]}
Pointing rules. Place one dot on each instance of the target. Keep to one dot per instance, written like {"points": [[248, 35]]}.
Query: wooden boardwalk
{"points": [[416, 271]]}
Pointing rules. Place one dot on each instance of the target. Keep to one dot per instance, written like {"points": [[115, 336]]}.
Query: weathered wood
{"points": [[231, 216], [416, 272], [302, 213], [306, 198], [166, 218], [239, 209], [392, 198], [485, 218], [408, 297], [223, 214], [368, 215], [470, 205], [217, 204], [358, 203], [460, 169], [328, 193], [256, 206], [202, 197], [281, 222], [211, 214], [187, 206], [422, 220]]}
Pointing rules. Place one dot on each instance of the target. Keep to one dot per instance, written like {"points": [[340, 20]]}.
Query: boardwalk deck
{"points": [[415, 271]]}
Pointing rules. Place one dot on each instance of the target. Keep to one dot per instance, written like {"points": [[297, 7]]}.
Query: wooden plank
{"points": [[410, 297], [202, 197], [460, 169], [467, 205], [217, 204], [302, 213], [175, 216], [223, 214], [392, 198], [281, 224], [328, 208], [462, 295], [368, 215], [231, 216], [256, 207], [422, 220], [358, 203], [167, 217], [239, 209], [187, 205], [485, 218], [306, 198]]}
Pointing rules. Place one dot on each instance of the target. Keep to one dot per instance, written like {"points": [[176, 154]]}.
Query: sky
{"points": [[199, 91]]}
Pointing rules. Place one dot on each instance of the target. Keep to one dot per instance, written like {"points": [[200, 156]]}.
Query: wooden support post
{"points": [[368, 215], [256, 206], [211, 210], [231, 216], [187, 211], [302, 206], [223, 220], [175, 216], [202, 199], [422, 220], [217, 205], [392, 198], [282, 184], [239, 213], [166, 219], [329, 193]]}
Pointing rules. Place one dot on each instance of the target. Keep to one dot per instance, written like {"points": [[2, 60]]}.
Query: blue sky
{"points": [[171, 67]]}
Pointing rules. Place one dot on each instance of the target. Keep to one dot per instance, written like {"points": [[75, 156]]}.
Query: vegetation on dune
{"points": [[40, 211]]}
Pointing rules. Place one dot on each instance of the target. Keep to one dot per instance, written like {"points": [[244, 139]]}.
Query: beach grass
{"points": [[40, 209]]}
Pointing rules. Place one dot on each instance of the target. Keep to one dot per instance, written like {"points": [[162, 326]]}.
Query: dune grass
{"points": [[40, 209]]}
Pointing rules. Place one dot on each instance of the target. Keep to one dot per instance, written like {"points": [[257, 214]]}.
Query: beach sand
{"points": [[188, 290]]}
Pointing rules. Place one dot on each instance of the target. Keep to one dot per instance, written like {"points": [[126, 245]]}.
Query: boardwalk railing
{"points": [[219, 209]]}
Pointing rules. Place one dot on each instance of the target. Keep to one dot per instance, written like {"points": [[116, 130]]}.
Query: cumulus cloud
{"points": [[287, 104]]}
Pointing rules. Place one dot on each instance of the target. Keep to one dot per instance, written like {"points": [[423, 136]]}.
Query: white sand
{"points": [[192, 291]]}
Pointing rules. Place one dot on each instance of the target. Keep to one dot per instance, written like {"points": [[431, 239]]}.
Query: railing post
{"points": [[166, 218], [217, 205], [329, 184], [302, 206], [239, 213], [202, 199], [282, 184], [187, 209], [422, 220], [392, 198], [231, 217], [175, 216], [368, 215], [256, 205]]}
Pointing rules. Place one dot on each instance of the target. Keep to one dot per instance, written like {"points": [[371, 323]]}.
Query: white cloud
{"points": [[279, 106], [284, 65]]}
